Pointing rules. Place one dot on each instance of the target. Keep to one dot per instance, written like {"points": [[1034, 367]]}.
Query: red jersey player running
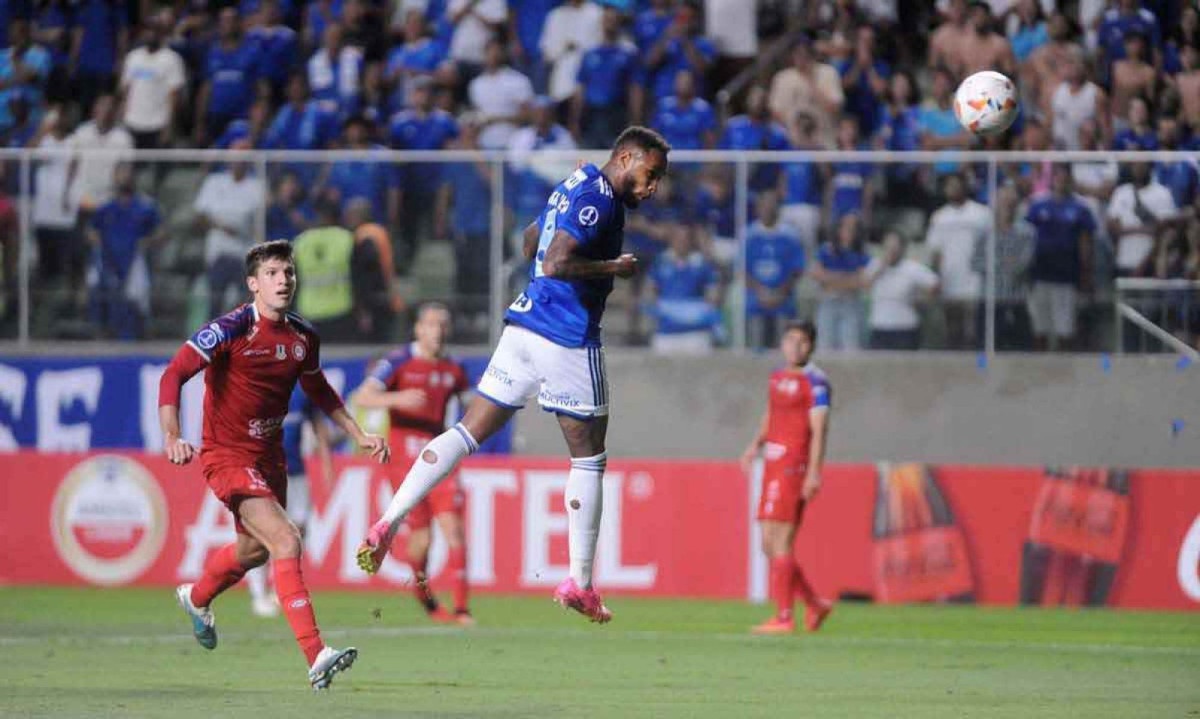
{"points": [[792, 441], [252, 358], [415, 384]]}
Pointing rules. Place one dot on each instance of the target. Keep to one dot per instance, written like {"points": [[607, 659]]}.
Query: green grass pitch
{"points": [[129, 652]]}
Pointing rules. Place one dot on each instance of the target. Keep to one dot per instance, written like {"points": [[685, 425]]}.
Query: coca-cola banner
{"points": [[890, 532]]}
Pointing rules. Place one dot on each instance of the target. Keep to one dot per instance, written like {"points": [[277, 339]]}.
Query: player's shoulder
{"points": [[816, 375], [302, 325], [224, 329]]}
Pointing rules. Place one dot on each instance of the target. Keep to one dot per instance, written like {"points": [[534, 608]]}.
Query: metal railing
{"points": [[688, 168], [1158, 298]]}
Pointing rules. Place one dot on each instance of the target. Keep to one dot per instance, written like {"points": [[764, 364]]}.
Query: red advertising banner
{"points": [[891, 532]]}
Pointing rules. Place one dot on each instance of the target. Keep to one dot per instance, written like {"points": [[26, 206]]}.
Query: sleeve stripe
{"points": [[199, 351], [315, 370]]}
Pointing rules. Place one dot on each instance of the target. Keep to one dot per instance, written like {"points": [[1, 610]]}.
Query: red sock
{"points": [[420, 585], [297, 607], [221, 571], [781, 586], [457, 565], [801, 586]]}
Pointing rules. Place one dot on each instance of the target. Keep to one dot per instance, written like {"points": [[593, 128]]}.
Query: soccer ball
{"points": [[986, 103]]}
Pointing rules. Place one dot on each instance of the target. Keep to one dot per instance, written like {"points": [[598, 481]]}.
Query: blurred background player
{"points": [[253, 357], [300, 412], [551, 348], [791, 440], [417, 384]]}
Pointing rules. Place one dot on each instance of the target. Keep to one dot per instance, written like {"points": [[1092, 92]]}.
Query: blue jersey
{"points": [[299, 411], [101, 22], [364, 179], [849, 187], [35, 58], [682, 284], [1029, 39], [529, 16], [835, 258], [1130, 139], [715, 213], [1180, 177], [605, 74], [568, 312], [802, 184], [282, 226], [774, 257], [231, 73], [409, 130], [422, 56], [278, 51], [471, 190], [122, 225], [861, 100], [1059, 223], [649, 27], [744, 133], [309, 128], [939, 123], [1115, 26], [684, 124], [676, 59]]}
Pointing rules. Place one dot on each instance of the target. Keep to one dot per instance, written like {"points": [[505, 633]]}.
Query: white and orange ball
{"points": [[986, 103]]}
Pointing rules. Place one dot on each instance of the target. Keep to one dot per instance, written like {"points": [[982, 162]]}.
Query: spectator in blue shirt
{"points": [[801, 186], [900, 131], [1140, 134], [606, 95], [121, 231], [849, 187], [99, 38], [319, 15], [774, 264], [52, 30], [230, 78], [938, 126], [372, 179], [686, 287], [420, 127], [252, 129], [303, 123], [686, 121], [680, 47], [277, 48], [651, 24], [24, 69], [335, 73], [1029, 32], [527, 19], [755, 130], [286, 11], [1178, 176], [840, 273], [419, 55], [864, 82], [461, 217], [1128, 16], [289, 213], [1061, 266]]}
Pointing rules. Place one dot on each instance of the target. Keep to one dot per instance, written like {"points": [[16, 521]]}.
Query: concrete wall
{"points": [[1025, 409]]}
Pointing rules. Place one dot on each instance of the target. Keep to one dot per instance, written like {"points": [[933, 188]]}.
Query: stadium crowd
{"points": [[863, 246]]}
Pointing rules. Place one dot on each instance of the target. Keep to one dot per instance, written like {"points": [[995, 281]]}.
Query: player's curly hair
{"points": [[642, 138], [273, 250], [805, 326]]}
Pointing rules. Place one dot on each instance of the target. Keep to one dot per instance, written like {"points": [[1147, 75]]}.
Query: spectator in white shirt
{"points": [[90, 176], [60, 249], [1136, 213], [954, 230], [152, 79], [571, 30], [475, 22], [809, 85], [227, 209], [500, 94], [897, 284]]}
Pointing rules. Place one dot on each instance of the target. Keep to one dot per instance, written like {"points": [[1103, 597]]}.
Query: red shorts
{"points": [[233, 480], [781, 499], [444, 498]]}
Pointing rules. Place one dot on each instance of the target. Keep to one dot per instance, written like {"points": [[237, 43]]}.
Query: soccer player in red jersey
{"points": [[252, 358], [791, 440], [415, 384]]}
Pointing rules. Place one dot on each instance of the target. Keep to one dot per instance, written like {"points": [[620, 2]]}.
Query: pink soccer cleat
{"points": [[374, 549], [815, 614], [775, 625], [585, 601]]}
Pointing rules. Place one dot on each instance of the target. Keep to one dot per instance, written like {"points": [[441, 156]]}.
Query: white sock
{"points": [[256, 582], [436, 460], [584, 502]]}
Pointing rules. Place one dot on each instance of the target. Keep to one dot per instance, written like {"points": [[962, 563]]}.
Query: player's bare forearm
{"points": [[168, 421], [816, 448], [578, 268], [530, 241], [374, 444]]}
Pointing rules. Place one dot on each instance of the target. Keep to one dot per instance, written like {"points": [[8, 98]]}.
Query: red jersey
{"points": [[440, 378], [251, 367], [791, 398]]}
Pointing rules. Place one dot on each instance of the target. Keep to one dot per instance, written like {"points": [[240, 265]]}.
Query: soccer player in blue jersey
{"points": [[551, 349]]}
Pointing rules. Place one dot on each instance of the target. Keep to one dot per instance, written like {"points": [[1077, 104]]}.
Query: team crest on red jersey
{"points": [[280, 352], [299, 352]]}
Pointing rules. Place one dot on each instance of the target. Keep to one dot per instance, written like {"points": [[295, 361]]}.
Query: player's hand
{"points": [[626, 266], [748, 457], [410, 399], [376, 446], [812, 485], [178, 450]]}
